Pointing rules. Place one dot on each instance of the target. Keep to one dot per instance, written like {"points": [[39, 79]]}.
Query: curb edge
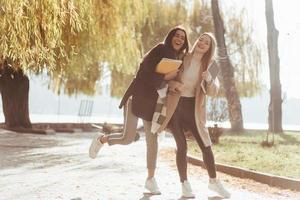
{"points": [[272, 180]]}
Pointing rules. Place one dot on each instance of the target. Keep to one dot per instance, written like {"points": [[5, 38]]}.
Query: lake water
{"points": [[38, 118], [45, 106]]}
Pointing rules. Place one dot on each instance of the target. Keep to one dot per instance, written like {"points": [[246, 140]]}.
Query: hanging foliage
{"points": [[242, 47], [68, 38], [244, 51]]}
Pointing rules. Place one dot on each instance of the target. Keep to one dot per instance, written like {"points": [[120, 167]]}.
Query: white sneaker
{"points": [[187, 190], [152, 186], [216, 186], [95, 146]]}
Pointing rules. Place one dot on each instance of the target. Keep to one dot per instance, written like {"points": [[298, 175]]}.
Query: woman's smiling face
{"points": [[203, 44], [178, 40]]}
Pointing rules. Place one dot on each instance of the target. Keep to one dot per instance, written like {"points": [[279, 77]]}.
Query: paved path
{"points": [[54, 167]]}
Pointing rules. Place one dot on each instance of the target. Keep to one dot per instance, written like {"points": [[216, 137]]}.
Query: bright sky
{"points": [[287, 22]]}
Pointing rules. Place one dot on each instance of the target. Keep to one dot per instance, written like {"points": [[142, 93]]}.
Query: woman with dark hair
{"points": [[141, 97]]}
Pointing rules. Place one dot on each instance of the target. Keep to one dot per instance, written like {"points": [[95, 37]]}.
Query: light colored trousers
{"points": [[129, 134]]}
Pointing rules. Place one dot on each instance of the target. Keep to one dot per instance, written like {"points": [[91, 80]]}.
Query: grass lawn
{"points": [[245, 151]]}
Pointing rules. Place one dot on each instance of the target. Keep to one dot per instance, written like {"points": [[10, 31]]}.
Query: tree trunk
{"points": [[14, 87], [275, 106], [227, 70]]}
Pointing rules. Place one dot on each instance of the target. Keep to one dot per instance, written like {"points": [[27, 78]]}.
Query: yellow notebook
{"points": [[167, 65]]}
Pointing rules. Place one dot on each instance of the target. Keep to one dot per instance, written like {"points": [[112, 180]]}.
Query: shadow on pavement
{"points": [[214, 198], [147, 196]]}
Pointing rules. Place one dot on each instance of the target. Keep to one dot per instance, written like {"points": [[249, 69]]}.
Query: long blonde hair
{"points": [[210, 54]]}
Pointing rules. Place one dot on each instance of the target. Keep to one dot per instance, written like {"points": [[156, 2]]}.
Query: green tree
{"points": [[119, 83], [275, 106], [244, 52], [233, 100], [67, 40], [200, 19], [163, 15]]}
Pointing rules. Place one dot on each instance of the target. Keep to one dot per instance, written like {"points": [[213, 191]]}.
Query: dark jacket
{"points": [[147, 81]]}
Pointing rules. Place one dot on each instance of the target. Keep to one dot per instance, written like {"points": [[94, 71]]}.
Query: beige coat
{"points": [[200, 107]]}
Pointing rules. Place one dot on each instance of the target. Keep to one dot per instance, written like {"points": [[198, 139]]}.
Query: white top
{"points": [[190, 78]]}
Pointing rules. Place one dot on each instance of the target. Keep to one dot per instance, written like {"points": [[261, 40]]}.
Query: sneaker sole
{"points": [[152, 193], [94, 148], [191, 197], [223, 196]]}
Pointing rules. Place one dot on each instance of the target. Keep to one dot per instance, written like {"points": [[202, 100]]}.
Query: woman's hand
{"points": [[176, 86], [171, 75], [179, 88], [207, 76]]}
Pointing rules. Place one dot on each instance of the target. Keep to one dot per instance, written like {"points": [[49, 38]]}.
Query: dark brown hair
{"points": [[171, 34]]}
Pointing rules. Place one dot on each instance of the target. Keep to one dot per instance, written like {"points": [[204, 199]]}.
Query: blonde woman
{"points": [[186, 109]]}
